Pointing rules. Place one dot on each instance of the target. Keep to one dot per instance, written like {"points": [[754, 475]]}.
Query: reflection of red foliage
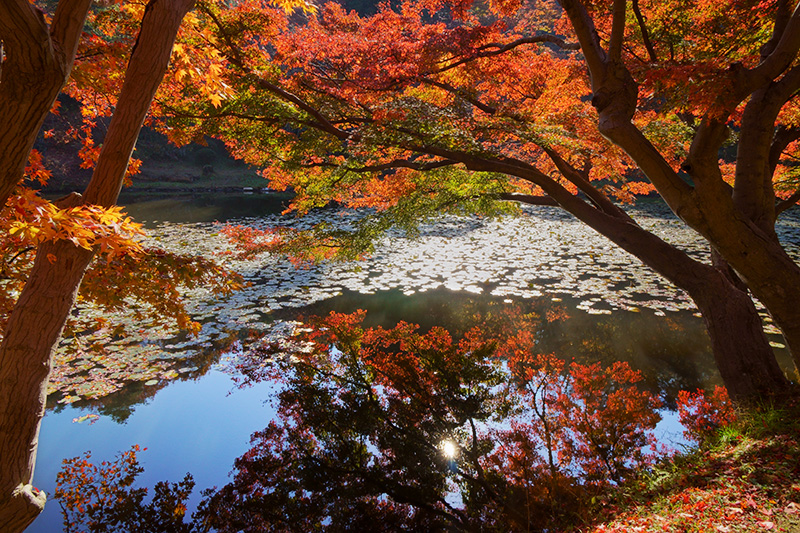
{"points": [[103, 498], [702, 414], [537, 437], [587, 418]]}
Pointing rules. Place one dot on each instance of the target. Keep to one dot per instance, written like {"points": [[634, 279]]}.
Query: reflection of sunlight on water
{"points": [[449, 449]]}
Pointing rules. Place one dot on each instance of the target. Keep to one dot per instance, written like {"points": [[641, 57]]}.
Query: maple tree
{"points": [[428, 107], [38, 52]]}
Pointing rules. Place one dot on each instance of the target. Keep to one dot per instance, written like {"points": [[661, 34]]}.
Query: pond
{"points": [[193, 418]]}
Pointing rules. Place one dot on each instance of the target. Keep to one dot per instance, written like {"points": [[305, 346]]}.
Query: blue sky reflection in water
{"points": [[189, 426], [197, 426]]}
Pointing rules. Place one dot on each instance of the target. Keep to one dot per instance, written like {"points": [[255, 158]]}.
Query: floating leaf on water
{"points": [[169, 374], [69, 398], [92, 417], [151, 382]]}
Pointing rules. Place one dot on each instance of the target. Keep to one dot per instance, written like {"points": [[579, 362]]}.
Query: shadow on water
{"points": [[202, 207]]}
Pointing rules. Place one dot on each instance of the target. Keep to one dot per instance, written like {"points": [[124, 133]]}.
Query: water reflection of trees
{"points": [[364, 412], [673, 352], [364, 415], [121, 404]]}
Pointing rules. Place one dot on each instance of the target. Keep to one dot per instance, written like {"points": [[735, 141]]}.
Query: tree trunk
{"points": [[33, 331], [37, 64], [737, 335], [38, 318], [745, 360], [708, 207]]}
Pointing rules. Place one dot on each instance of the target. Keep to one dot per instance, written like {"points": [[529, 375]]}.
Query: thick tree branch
{"points": [[27, 41], [65, 31], [617, 30], [323, 122], [587, 37], [703, 153], [463, 95], [783, 13], [389, 165], [234, 56], [145, 71], [783, 138], [783, 205], [615, 98], [404, 163], [33, 72], [495, 49], [753, 190], [578, 179], [780, 58]]}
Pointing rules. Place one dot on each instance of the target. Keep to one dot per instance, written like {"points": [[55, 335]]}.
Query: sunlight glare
{"points": [[449, 448]]}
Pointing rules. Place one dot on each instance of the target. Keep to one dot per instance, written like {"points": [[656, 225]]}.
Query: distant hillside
{"points": [[163, 164]]}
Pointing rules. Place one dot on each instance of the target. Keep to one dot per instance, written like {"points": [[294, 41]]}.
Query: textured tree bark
{"points": [[38, 62], [38, 319], [738, 227], [744, 358], [742, 352], [33, 331]]}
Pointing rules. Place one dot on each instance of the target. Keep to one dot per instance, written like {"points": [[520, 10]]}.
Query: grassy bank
{"points": [[745, 478]]}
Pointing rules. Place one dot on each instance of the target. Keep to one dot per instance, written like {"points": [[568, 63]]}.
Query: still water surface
{"points": [[201, 423]]}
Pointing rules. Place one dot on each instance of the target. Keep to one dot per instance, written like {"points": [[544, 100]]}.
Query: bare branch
{"points": [[323, 122], [495, 49], [390, 165], [234, 56], [703, 153], [463, 95], [404, 163], [651, 51], [544, 38], [579, 179]]}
